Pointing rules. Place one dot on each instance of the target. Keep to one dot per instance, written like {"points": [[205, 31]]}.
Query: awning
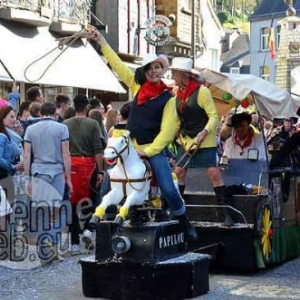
{"points": [[78, 66], [4, 76]]}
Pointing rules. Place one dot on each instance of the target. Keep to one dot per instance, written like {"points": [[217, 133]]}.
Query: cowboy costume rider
{"points": [[198, 119]]}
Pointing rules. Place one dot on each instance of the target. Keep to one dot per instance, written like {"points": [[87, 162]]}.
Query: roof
{"points": [[273, 7], [240, 50]]}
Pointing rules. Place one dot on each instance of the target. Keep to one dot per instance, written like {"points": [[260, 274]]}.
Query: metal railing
{"points": [[74, 11]]}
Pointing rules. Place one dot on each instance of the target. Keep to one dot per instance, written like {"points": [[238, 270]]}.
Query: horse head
{"points": [[129, 178], [117, 146]]}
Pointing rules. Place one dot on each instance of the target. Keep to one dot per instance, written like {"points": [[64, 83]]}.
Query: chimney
{"points": [[230, 37]]}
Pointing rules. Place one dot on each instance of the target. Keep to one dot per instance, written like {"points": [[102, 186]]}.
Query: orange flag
{"points": [[272, 44]]}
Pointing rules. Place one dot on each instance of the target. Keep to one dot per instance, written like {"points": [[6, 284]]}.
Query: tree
{"points": [[224, 17], [237, 5]]}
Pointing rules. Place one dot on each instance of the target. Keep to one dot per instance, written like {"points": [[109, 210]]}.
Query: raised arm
{"points": [[122, 70]]}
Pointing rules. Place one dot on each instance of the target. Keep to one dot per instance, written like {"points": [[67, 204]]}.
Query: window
{"points": [[265, 73], [278, 29], [235, 70], [265, 32]]}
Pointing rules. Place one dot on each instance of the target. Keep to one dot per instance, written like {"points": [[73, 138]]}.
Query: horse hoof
{"points": [[94, 222], [119, 220]]}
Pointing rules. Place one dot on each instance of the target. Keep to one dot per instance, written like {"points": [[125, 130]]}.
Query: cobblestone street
{"points": [[63, 281]]}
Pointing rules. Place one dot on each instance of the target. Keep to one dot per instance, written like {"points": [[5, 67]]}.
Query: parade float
{"points": [[141, 257], [141, 253], [267, 200]]}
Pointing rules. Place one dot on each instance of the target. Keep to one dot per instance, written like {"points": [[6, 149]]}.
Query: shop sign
{"points": [[158, 31]]}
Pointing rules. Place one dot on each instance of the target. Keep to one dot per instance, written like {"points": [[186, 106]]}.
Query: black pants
{"points": [[75, 229]]}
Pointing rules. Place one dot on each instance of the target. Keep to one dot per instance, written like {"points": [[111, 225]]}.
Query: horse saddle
{"points": [[149, 170]]}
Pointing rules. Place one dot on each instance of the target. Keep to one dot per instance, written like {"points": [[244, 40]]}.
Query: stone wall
{"points": [[288, 56]]}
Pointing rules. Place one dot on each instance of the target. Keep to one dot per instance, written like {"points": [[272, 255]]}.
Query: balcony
{"points": [[70, 16], [65, 16], [31, 12]]}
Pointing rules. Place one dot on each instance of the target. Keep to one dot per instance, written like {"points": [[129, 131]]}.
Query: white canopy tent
{"points": [[270, 100], [4, 76]]}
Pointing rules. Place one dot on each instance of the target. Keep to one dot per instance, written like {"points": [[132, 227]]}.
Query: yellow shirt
{"points": [[169, 125]]}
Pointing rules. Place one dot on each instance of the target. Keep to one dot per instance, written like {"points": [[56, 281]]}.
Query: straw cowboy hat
{"points": [[183, 64], [162, 59]]}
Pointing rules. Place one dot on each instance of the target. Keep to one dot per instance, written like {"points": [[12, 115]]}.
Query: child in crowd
{"points": [[35, 111]]}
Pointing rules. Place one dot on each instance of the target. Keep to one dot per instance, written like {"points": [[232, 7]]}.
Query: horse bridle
{"points": [[128, 180], [122, 150]]}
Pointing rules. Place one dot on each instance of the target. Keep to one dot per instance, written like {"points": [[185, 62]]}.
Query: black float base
{"points": [[236, 249], [182, 277]]}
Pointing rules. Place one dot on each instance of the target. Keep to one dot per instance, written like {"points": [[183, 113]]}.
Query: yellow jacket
{"points": [[169, 125]]}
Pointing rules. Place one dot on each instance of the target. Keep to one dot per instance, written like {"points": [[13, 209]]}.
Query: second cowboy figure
{"points": [[198, 119]]}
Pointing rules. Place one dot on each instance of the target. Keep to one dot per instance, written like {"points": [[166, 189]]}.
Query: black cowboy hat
{"points": [[237, 119]]}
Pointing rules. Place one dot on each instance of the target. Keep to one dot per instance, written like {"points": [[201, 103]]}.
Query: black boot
{"points": [[181, 189], [189, 229], [162, 214], [225, 199]]}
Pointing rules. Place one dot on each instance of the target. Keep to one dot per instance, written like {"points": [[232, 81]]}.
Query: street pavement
{"points": [[62, 281]]}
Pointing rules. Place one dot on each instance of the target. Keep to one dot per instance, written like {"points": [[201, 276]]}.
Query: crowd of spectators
{"points": [[40, 143]]}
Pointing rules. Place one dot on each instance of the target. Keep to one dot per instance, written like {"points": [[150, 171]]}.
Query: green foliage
{"points": [[235, 13], [224, 17], [245, 27], [237, 6], [235, 20]]}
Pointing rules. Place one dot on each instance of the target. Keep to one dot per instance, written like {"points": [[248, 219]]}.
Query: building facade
{"points": [[268, 14], [43, 41], [130, 25], [125, 20], [208, 32], [288, 62]]}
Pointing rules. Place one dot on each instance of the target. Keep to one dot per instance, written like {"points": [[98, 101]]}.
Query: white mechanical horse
{"points": [[129, 178]]}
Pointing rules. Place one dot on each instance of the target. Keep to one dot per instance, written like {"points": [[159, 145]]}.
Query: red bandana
{"points": [[150, 90], [183, 94], [247, 142]]}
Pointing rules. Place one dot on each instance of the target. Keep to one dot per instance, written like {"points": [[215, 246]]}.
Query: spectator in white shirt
{"points": [[243, 139]]}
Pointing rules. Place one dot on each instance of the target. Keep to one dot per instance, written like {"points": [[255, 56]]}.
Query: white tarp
{"points": [[79, 66], [270, 100], [3, 74]]}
